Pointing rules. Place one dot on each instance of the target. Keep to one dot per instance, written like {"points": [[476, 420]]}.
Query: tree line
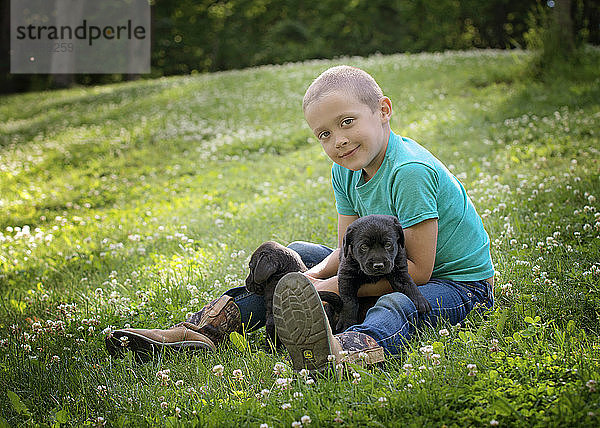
{"points": [[191, 36]]}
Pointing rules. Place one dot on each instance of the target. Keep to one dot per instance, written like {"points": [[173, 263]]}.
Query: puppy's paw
{"points": [[343, 325], [422, 304]]}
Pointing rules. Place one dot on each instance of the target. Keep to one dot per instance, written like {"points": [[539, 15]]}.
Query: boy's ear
{"points": [[385, 109]]}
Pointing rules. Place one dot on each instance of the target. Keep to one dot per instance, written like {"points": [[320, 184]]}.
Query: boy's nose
{"points": [[341, 141]]}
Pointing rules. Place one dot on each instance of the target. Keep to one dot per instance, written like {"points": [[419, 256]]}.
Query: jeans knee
{"points": [[398, 302], [311, 254], [297, 246]]}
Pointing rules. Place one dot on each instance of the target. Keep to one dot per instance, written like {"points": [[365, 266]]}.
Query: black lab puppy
{"points": [[373, 248], [268, 264]]}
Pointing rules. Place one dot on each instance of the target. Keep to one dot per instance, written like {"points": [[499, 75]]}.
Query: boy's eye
{"points": [[347, 121], [323, 135]]}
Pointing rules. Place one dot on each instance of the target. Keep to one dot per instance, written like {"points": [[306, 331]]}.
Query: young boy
{"points": [[374, 172], [377, 172]]}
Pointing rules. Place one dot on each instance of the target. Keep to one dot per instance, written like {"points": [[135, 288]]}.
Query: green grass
{"points": [[137, 203]]}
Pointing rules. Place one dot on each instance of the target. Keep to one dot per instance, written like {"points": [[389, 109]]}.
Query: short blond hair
{"points": [[348, 79]]}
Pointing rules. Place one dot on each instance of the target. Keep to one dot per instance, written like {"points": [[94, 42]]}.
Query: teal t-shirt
{"points": [[414, 186]]}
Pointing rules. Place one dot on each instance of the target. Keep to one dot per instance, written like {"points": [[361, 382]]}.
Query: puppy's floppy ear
{"points": [[399, 231], [264, 269], [347, 241]]}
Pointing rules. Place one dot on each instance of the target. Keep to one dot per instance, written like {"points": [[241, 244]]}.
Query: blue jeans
{"points": [[393, 320]]}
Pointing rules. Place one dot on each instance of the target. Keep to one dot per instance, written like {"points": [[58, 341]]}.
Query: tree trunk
{"points": [[563, 23]]}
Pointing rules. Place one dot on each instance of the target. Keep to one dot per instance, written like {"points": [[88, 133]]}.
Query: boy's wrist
{"points": [[314, 275]]}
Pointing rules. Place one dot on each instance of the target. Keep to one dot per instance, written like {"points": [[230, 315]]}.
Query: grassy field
{"points": [[137, 203]]}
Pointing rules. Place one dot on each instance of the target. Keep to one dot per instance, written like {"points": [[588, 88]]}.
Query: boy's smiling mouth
{"points": [[350, 153]]}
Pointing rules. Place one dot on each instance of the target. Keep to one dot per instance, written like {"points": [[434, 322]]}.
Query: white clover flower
{"points": [[304, 373], [164, 405], [305, 420], [286, 406], [382, 401], [494, 423], [283, 383], [279, 369], [444, 332], [296, 424], [426, 350], [218, 370], [591, 384], [472, 369], [237, 375]]}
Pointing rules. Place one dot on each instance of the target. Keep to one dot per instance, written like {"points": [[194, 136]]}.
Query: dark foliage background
{"points": [[205, 35]]}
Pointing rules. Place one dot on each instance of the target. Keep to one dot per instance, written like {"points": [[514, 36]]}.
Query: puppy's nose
{"points": [[378, 265]]}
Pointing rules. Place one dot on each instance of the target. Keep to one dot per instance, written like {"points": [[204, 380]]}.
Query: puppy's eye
{"points": [[363, 247], [389, 246]]}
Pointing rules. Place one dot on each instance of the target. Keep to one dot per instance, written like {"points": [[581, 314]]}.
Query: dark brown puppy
{"points": [[268, 264], [373, 248]]}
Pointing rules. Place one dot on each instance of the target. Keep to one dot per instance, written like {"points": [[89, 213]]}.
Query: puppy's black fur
{"points": [[373, 248], [268, 264]]}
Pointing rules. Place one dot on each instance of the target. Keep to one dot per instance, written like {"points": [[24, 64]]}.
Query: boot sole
{"points": [[301, 323], [143, 345]]}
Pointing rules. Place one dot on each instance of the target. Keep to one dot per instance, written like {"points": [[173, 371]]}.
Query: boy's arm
{"points": [[421, 243]]}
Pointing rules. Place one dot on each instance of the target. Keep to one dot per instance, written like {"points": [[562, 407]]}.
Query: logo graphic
{"points": [[80, 36], [308, 355]]}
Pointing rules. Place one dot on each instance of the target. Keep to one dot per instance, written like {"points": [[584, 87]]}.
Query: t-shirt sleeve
{"points": [[340, 191], [414, 193]]}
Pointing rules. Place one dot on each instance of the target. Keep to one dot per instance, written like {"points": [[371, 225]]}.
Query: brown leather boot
{"points": [[202, 331], [302, 326]]}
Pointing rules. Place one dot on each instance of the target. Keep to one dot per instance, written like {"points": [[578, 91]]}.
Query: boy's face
{"points": [[351, 134]]}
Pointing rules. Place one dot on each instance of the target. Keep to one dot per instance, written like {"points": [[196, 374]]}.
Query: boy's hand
{"points": [[367, 290], [327, 268], [329, 284]]}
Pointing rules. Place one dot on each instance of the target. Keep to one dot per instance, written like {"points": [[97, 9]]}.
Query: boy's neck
{"points": [[365, 174]]}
